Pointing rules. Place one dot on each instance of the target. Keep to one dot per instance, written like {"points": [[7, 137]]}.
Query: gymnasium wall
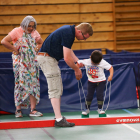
{"points": [[51, 14], [116, 23], [127, 17]]}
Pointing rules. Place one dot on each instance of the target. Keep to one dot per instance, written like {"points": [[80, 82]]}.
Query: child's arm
{"points": [[80, 64], [111, 74]]}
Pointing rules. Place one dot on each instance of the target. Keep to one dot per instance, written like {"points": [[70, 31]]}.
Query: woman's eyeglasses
{"points": [[29, 26]]}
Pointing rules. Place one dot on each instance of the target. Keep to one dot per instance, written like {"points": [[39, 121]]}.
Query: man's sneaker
{"points": [[87, 111], [63, 123], [100, 111], [18, 114]]}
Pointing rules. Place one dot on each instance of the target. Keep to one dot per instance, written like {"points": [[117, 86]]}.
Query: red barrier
{"points": [[82, 121], [3, 112]]}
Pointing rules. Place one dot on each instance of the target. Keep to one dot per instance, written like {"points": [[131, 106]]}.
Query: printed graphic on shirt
{"points": [[93, 71]]}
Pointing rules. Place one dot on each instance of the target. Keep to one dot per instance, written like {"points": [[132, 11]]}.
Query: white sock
{"points": [[58, 120]]}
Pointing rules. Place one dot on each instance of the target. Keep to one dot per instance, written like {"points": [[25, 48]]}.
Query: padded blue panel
{"points": [[123, 90]]}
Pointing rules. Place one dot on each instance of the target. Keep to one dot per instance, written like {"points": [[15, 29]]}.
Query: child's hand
{"points": [[80, 65], [109, 78], [111, 74]]}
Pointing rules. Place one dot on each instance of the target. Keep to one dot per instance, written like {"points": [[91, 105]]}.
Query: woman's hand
{"points": [[16, 51], [39, 44], [36, 49]]}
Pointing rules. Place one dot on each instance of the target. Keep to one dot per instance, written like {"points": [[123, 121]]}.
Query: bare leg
{"points": [[18, 107], [56, 107], [33, 106], [18, 114], [33, 102]]}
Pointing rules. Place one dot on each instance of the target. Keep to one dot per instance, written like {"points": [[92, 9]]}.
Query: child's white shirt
{"points": [[95, 73]]}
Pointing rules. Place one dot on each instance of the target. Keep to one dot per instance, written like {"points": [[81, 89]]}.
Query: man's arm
{"points": [[75, 58], [68, 58]]}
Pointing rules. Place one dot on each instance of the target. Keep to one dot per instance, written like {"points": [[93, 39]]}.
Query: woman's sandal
{"points": [[18, 114], [35, 113]]}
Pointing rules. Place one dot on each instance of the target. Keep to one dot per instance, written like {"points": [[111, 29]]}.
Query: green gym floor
{"points": [[129, 131]]}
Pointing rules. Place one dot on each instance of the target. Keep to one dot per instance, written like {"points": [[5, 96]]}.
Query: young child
{"points": [[95, 66]]}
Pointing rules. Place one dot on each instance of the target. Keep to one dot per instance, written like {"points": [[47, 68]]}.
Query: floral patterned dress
{"points": [[26, 71]]}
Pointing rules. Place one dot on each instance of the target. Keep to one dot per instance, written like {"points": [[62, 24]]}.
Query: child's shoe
{"points": [[100, 111], [87, 111]]}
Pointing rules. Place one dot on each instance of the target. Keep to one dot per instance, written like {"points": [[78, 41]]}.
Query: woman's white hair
{"points": [[25, 22]]}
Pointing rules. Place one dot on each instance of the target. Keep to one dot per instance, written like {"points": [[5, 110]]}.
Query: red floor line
{"points": [[81, 121], [10, 136], [44, 130], [48, 133]]}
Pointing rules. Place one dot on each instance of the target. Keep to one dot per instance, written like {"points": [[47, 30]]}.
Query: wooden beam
{"points": [[126, 1], [128, 28], [128, 42], [129, 47], [60, 18], [100, 36], [23, 2], [114, 25], [128, 38], [132, 19], [41, 19], [128, 9], [123, 4], [128, 23], [96, 17], [97, 45], [128, 15], [55, 9], [39, 9], [95, 1], [101, 7], [49, 28], [128, 34]]}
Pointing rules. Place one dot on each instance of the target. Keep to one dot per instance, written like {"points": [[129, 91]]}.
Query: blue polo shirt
{"points": [[53, 44]]}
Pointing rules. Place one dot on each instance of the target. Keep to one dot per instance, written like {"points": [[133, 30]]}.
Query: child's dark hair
{"points": [[96, 56]]}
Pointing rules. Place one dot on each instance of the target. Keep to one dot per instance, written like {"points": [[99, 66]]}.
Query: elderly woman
{"points": [[26, 43]]}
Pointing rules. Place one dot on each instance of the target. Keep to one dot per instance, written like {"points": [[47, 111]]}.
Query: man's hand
{"points": [[78, 74], [79, 65]]}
